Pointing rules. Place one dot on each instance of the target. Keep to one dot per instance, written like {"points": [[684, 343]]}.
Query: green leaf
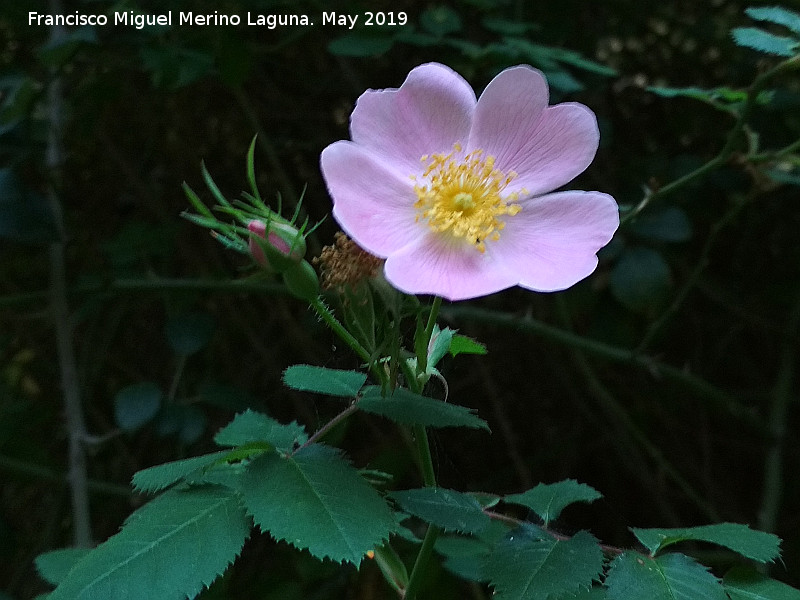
{"points": [[359, 45], [409, 408], [461, 344], [641, 280], [766, 42], [322, 380], [745, 583], [440, 20], [755, 545], [726, 94], [169, 549], [438, 345], [668, 577], [154, 479], [780, 176], [595, 593], [136, 404], [528, 568], [777, 15], [668, 224], [548, 499], [315, 499], [53, 566], [189, 332], [252, 427], [448, 509]]}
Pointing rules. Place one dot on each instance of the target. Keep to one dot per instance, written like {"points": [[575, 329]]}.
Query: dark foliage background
{"points": [[676, 433]]}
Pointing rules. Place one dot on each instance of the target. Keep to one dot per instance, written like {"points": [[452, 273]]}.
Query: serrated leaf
{"points": [[53, 566], [764, 41], [409, 408], [595, 593], [461, 344], [157, 478], [333, 382], [526, 568], [314, 499], [756, 545], [169, 549], [777, 15], [136, 404], [668, 577], [448, 509], [189, 332], [548, 499], [251, 427], [745, 583]]}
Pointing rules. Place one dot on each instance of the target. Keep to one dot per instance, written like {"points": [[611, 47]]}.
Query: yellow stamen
{"points": [[463, 198]]}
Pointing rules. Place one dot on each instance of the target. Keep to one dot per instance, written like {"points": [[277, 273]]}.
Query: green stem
{"points": [[327, 315], [426, 466], [425, 553], [727, 150], [424, 453]]}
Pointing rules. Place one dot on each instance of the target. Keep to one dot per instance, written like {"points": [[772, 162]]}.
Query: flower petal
{"points": [[552, 242], [372, 203], [454, 271], [546, 146], [429, 113]]}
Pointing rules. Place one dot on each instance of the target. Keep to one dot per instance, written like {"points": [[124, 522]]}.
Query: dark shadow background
{"points": [[143, 108]]}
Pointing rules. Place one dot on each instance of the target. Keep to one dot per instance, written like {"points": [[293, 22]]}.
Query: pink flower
{"points": [[456, 192]]}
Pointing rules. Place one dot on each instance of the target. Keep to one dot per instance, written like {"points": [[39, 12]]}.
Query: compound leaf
{"points": [[668, 577], [745, 583], [251, 427], [333, 382], [315, 499], [777, 15], [159, 477], [756, 545], [448, 509], [548, 499], [526, 568], [169, 549], [408, 408], [764, 41]]}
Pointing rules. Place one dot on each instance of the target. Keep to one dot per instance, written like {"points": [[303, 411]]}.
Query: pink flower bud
{"points": [[283, 246]]}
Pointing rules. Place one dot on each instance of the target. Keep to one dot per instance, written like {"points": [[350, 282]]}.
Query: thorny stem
{"points": [[73, 409], [615, 410], [326, 315], [727, 150]]}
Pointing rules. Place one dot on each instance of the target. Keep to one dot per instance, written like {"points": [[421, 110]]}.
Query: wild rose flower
{"points": [[456, 192]]}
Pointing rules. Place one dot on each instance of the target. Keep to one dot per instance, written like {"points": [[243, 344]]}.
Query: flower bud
{"points": [[302, 282], [278, 247]]}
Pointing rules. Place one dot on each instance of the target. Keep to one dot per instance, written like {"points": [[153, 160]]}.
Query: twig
{"points": [[73, 409]]}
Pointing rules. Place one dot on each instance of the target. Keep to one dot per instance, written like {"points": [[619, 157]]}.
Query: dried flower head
{"points": [[345, 263]]}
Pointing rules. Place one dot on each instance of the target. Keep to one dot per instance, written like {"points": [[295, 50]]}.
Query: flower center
{"points": [[463, 197]]}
